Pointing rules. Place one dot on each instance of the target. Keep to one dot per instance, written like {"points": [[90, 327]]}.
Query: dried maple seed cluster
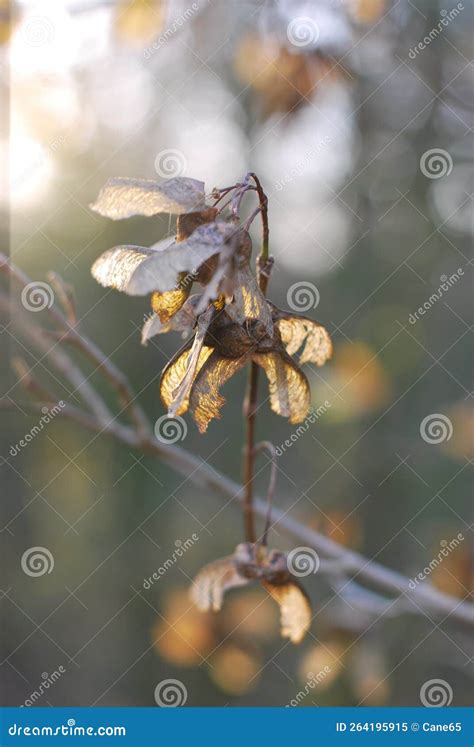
{"points": [[251, 562], [229, 324]]}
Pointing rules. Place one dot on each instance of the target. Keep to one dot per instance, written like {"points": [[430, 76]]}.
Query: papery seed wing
{"points": [[248, 300], [161, 270], [206, 401], [196, 360], [212, 581], [297, 331], [174, 373], [295, 609], [289, 388], [115, 267], [167, 304], [122, 197]]}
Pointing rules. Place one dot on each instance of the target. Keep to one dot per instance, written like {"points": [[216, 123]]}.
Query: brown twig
{"points": [[268, 446], [250, 402]]}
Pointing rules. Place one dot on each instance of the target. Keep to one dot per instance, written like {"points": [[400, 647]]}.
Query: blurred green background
{"points": [[336, 121]]}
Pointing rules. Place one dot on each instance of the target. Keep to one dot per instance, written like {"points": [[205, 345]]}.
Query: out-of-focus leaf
{"points": [[139, 20], [295, 609], [182, 635], [289, 387], [212, 581], [299, 330], [122, 197], [234, 669]]}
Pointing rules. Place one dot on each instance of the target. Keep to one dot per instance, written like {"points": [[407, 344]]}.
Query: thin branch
{"points": [[70, 333], [268, 446]]}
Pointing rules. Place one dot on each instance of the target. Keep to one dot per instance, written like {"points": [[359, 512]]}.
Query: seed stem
{"points": [[250, 403]]}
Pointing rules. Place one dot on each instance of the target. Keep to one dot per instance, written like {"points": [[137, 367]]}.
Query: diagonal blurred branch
{"points": [[353, 568]]}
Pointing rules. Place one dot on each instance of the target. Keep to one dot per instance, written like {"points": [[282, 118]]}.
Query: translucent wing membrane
{"points": [[288, 386], [174, 374], [298, 331], [295, 609], [122, 197], [139, 270], [115, 267], [206, 401], [212, 581]]}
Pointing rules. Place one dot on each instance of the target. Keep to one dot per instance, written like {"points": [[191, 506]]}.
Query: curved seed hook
{"points": [[268, 446]]}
